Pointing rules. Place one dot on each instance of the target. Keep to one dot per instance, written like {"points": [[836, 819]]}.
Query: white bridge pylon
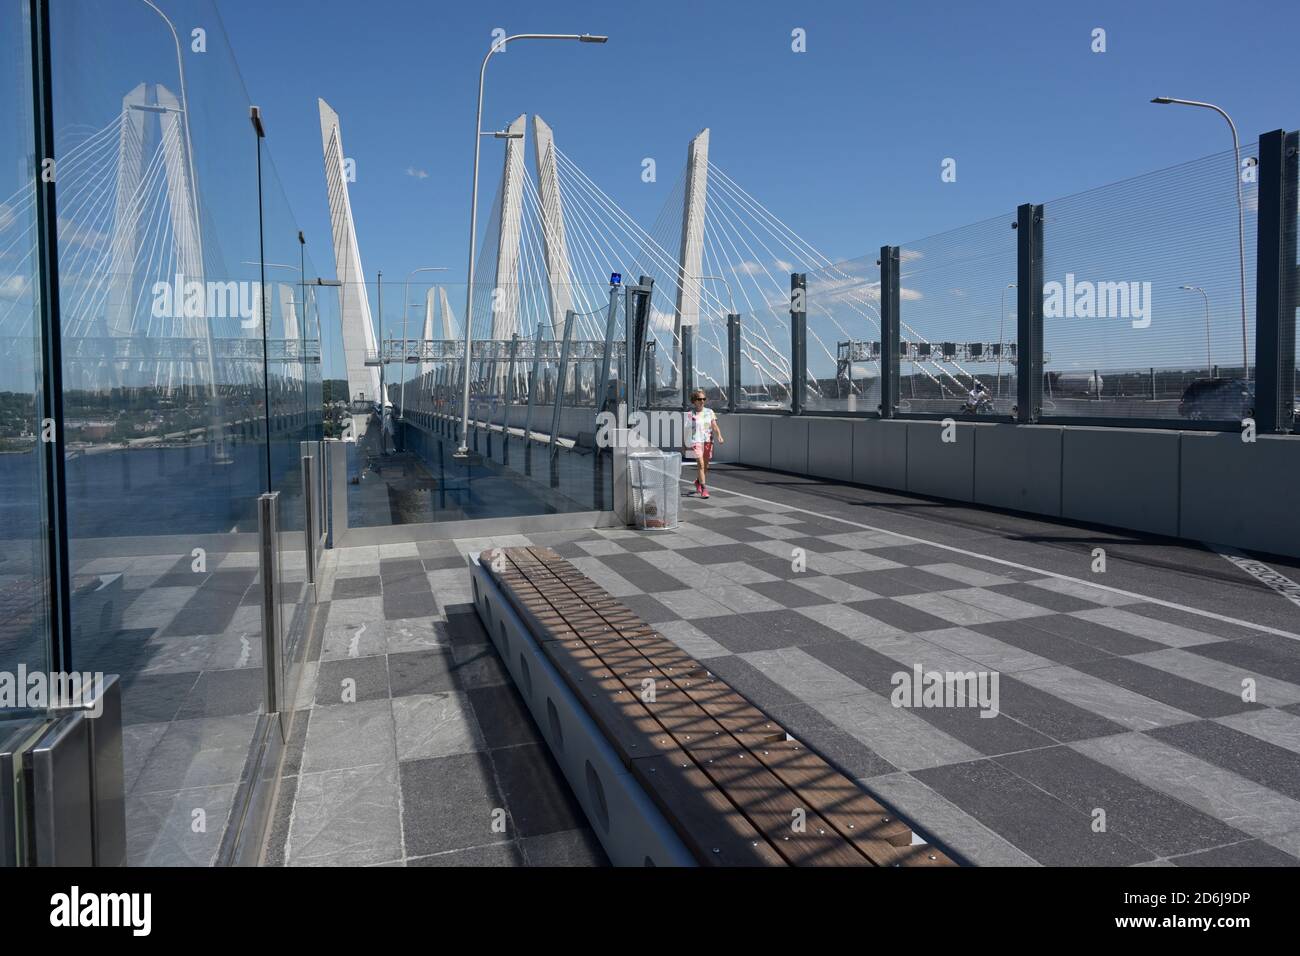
{"points": [[354, 304]]}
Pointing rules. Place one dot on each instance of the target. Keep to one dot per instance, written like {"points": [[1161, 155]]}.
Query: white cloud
{"points": [[416, 173], [12, 287]]}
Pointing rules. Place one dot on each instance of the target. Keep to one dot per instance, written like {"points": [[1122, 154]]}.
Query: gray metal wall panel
{"points": [[730, 426], [880, 454], [1127, 478], [936, 467], [1240, 493], [790, 444], [830, 448], [756, 441], [1019, 467]]}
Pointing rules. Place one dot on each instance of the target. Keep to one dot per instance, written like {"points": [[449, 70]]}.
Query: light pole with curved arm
{"points": [[499, 45], [1209, 364], [1241, 216]]}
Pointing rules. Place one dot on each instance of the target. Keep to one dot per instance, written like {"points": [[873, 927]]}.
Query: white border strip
{"points": [[1263, 628]]}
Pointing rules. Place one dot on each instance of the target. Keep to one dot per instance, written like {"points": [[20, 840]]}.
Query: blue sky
{"points": [[844, 142]]}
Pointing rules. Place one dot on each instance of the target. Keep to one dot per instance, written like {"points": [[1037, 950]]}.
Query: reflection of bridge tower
{"points": [[133, 261], [437, 305], [354, 305], [505, 298], [691, 255], [552, 214]]}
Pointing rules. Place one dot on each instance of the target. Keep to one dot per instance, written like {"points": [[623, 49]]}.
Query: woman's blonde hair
{"points": [[698, 393]]}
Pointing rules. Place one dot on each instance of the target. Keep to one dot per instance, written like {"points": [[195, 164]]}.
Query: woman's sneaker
{"points": [[704, 492]]}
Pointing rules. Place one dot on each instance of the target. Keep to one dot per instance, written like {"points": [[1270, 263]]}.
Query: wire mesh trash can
{"points": [[654, 489]]}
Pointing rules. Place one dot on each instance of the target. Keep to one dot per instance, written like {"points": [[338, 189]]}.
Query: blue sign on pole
{"points": [[616, 278]]}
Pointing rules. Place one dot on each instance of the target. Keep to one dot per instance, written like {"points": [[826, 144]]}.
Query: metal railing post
{"points": [[733, 361], [532, 401], [1276, 283], [798, 341], [510, 398], [606, 358], [1029, 313], [688, 364], [268, 526], [309, 516], [560, 375], [889, 330]]}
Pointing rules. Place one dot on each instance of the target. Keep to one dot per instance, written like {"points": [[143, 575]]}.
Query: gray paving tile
{"points": [[421, 672], [692, 640], [1186, 695], [1035, 822], [448, 804], [536, 795], [435, 725], [1152, 819], [1133, 710], [1161, 632], [341, 642], [1043, 597], [1197, 622], [198, 753], [899, 736], [408, 604], [765, 630], [161, 827], [350, 735], [1038, 642], [944, 822], [502, 717], [1265, 654], [648, 608], [495, 854], [692, 605], [564, 848], [351, 680], [1244, 754], [1095, 635], [900, 616], [359, 587], [414, 634], [346, 817], [1215, 791], [225, 693], [1224, 677], [1245, 853]]}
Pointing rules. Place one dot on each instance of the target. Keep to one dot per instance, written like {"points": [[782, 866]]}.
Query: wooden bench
{"points": [[734, 785]]}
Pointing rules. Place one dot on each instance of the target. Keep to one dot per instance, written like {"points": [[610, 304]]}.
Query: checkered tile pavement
{"points": [[1122, 735]]}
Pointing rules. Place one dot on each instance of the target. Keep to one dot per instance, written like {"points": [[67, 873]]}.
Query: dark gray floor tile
{"points": [[1245, 853], [750, 682], [226, 693], [648, 609], [787, 594], [1268, 654], [915, 555], [895, 582], [641, 572], [153, 698], [1034, 822], [1267, 764], [899, 615], [565, 848], [421, 672], [448, 804], [1147, 817], [436, 549], [497, 854], [1094, 635], [355, 588], [815, 545], [406, 604], [369, 674], [766, 631], [536, 794], [450, 563], [724, 554], [1173, 615], [396, 570], [462, 627], [1186, 695], [838, 747], [502, 716], [989, 735], [1024, 635], [641, 545], [1051, 715], [1054, 600]]}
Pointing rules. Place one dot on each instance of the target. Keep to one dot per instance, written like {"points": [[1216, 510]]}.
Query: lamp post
{"points": [[406, 307], [463, 450], [1002, 319], [1241, 219], [1209, 364]]}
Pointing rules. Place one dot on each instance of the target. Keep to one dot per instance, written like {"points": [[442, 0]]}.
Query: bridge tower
{"points": [[691, 251], [505, 298], [557, 250], [354, 304]]}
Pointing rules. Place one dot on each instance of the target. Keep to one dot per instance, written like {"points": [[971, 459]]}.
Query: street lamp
{"points": [[463, 450], [1002, 345], [406, 307], [1241, 221], [1209, 365]]}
